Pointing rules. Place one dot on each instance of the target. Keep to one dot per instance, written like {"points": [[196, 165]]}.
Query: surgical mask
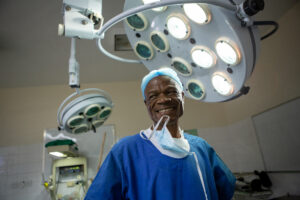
{"points": [[164, 138], [166, 141]]}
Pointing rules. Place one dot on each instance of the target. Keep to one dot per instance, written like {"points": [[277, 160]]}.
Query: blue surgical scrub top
{"points": [[136, 170]]}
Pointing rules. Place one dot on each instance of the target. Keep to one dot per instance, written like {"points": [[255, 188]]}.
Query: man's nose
{"points": [[163, 99]]}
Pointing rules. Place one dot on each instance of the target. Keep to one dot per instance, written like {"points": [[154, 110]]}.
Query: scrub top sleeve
{"points": [[108, 182], [224, 179]]}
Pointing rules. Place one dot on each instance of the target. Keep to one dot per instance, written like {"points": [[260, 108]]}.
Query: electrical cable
{"points": [[266, 23]]}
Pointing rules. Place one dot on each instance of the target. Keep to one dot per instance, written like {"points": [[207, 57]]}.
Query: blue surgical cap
{"points": [[160, 72]]}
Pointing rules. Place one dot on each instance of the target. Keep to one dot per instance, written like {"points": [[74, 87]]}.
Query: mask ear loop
{"points": [[158, 123], [199, 173]]}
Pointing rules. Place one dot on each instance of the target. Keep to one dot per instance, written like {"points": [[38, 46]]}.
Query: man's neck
{"points": [[174, 130]]}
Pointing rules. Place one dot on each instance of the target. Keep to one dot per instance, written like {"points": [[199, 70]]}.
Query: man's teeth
{"points": [[164, 110]]}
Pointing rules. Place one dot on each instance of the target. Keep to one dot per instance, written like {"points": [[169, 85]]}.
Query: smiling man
{"points": [[162, 162]]}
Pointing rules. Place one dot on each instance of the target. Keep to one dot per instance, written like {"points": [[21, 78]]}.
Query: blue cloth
{"points": [[160, 72], [135, 170]]}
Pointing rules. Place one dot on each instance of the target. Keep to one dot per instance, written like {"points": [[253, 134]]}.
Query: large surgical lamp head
{"points": [[214, 53], [213, 45]]}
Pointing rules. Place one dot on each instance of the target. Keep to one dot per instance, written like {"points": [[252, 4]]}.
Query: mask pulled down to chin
{"points": [[165, 139]]}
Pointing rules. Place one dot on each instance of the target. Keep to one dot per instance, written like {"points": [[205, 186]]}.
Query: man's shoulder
{"points": [[194, 139], [197, 141], [127, 141]]}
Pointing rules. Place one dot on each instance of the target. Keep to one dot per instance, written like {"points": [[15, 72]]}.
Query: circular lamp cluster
{"points": [[84, 113], [206, 45]]}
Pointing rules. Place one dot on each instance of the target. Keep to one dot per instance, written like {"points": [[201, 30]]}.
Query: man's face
{"points": [[163, 97]]}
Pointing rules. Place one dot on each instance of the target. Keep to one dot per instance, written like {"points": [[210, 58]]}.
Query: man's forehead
{"points": [[166, 80]]}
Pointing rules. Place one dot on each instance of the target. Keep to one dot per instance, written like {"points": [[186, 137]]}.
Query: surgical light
{"points": [[182, 66], [159, 41], [222, 84], [82, 128], [160, 9], [178, 26], [75, 121], [198, 13], [195, 89], [143, 50], [228, 52], [92, 110], [104, 114], [98, 123], [225, 29], [203, 57], [137, 22], [81, 111]]}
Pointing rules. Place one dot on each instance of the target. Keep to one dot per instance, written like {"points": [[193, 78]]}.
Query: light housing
{"points": [[81, 112], [222, 25]]}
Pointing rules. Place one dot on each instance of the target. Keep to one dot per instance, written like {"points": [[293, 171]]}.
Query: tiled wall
{"points": [[20, 173]]}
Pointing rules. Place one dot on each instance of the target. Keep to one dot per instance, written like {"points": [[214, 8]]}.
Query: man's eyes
{"points": [[168, 93], [173, 92], [152, 96]]}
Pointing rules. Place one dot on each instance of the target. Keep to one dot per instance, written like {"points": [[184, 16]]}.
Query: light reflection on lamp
{"points": [[198, 13], [228, 52], [222, 84], [178, 26], [203, 57]]}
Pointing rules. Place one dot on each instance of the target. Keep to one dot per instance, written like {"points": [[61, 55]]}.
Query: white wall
{"points": [[236, 144]]}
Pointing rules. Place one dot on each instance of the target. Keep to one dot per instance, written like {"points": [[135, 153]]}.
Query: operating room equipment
{"points": [[61, 145], [86, 109], [62, 148], [212, 44], [68, 179]]}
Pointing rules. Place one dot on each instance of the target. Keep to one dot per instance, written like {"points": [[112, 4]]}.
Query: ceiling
{"points": [[32, 54]]}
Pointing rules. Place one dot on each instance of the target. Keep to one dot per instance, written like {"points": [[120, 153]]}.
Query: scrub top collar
{"points": [[179, 141]]}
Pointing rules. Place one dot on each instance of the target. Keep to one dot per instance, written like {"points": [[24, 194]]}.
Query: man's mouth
{"points": [[164, 110]]}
